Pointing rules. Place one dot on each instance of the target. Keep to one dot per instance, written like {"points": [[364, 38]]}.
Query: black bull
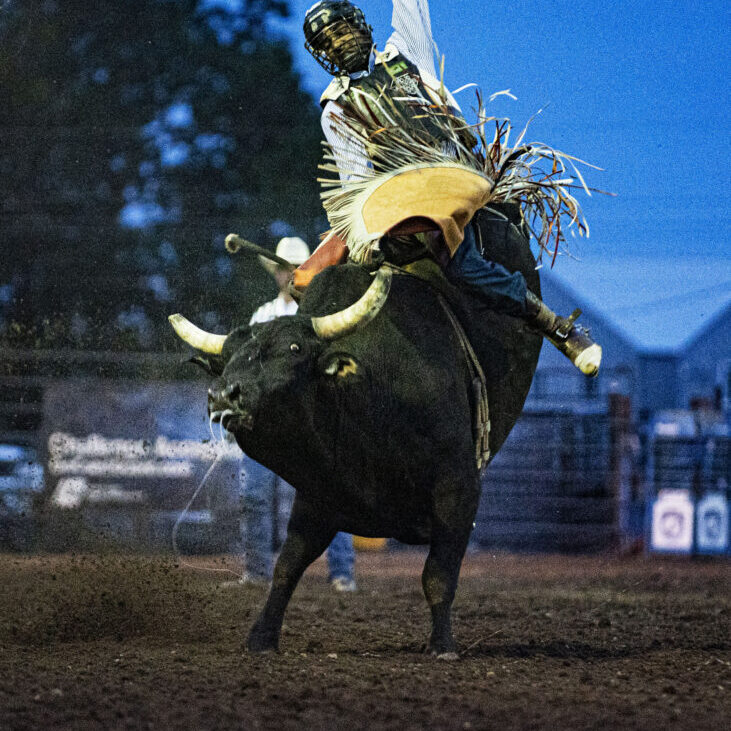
{"points": [[374, 429]]}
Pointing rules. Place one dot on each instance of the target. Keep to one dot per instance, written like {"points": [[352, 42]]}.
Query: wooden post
{"points": [[620, 418]]}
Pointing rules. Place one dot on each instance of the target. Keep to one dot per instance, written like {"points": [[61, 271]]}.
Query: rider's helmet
{"points": [[337, 35]]}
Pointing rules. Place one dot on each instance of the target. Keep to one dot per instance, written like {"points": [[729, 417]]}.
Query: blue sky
{"points": [[640, 89]]}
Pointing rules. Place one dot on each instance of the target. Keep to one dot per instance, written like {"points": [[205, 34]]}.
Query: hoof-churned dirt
{"points": [[545, 642]]}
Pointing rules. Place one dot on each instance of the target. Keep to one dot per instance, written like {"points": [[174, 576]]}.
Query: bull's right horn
{"points": [[194, 336], [360, 313]]}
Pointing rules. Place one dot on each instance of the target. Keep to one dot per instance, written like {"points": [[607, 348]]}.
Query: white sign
{"points": [[712, 523], [672, 522], [98, 456], [143, 446]]}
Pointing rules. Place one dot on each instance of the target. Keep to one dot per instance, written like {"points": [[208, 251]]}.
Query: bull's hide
{"points": [[372, 424], [508, 377], [506, 349]]}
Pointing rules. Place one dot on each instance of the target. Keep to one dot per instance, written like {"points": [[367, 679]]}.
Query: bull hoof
{"points": [[261, 641], [260, 645], [443, 648]]}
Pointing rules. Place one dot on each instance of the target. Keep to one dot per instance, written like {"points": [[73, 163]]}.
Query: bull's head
{"points": [[263, 370]]}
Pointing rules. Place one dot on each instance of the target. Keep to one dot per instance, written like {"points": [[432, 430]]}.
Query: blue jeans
{"points": [[498, 288], [267, 502]]}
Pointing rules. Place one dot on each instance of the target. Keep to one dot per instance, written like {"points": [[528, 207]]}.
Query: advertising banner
{"points": [[131, 456]]}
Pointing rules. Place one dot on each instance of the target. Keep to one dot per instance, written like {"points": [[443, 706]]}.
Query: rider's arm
{"points": [[412, 33], [413, 38], [350, 155]]}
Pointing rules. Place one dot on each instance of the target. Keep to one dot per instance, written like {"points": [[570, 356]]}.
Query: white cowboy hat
{"points": [[291, 248]]}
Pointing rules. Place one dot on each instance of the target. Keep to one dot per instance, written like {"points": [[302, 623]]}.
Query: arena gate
{"points": [[562, 482]]}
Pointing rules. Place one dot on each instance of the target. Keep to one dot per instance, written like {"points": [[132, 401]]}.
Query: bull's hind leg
{"points": [[307, 538], [453, 511]]}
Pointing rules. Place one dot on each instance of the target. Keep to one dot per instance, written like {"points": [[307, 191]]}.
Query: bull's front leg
{"points": [[454, 506], [307, 537]]}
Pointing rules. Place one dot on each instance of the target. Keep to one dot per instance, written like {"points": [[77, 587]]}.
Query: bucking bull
{"points": [[365, 402]]}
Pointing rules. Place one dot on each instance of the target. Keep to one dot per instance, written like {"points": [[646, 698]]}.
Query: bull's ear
{"points": [[211, 364], [340, 365]]}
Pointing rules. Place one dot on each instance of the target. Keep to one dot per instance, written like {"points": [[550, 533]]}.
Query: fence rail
{"points": [[554, 485]]}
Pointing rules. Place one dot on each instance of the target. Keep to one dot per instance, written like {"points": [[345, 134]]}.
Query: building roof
{"points": [[661, 304]]}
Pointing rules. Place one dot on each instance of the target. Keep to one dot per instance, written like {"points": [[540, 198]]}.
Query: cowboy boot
{"points": [[572, 340]]}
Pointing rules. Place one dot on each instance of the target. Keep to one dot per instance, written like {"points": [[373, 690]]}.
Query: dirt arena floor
{"points": [[546, 642]]}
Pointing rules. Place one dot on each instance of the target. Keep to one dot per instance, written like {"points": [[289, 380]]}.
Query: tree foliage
{"points": [[133, 137]]}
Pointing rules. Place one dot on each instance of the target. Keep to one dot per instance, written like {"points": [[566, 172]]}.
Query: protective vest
{"points": [[397, 78]]}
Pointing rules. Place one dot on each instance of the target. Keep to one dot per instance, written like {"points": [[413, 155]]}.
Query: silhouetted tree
{"points": [[133, 137]]}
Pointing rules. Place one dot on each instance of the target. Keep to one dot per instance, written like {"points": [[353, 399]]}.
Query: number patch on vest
{"points": [[408, 85]]}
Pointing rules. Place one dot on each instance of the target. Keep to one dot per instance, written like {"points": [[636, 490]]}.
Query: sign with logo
{"points": [[712, 523], [134, 450], [671, 522]]}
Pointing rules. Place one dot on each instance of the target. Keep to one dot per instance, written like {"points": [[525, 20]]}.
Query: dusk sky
{"points": [[637, 88]]}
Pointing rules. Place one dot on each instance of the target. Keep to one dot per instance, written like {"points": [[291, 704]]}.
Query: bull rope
{"points": [[481, 410]]}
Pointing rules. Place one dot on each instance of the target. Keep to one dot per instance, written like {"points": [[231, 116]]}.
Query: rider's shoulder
{"points": [[389, 53], [335, 89]]}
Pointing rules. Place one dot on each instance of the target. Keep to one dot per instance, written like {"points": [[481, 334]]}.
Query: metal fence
{"points": [[26, 374], [560, 483], [688, 486], [692, 463], [552, 486], [26, 379]]}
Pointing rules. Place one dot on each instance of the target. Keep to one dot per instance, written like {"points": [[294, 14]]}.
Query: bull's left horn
{"points": [[360, 313], [194, 336]]}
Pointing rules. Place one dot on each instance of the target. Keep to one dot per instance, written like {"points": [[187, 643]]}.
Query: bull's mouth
{"points": [[225, 408], [233, 419]]}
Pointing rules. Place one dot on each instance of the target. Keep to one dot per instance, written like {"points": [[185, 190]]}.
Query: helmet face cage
{"points": [[338, 37]]}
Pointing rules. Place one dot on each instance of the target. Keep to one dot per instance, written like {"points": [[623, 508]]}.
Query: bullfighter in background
{"points": [[266, 497]]}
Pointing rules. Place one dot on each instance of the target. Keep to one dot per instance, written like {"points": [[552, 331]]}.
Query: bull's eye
{"points": [[294, 348]]}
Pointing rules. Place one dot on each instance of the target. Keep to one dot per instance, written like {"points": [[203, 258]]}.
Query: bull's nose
{"points": [[217, 400], [224, 405], [231, 391], [225, 395]]}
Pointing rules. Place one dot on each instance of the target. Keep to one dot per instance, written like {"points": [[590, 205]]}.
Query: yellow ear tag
{"points": [[342, 367]]}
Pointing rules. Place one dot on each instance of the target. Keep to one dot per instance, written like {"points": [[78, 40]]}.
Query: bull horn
{"points": [[194, 336], [360, 313]]}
